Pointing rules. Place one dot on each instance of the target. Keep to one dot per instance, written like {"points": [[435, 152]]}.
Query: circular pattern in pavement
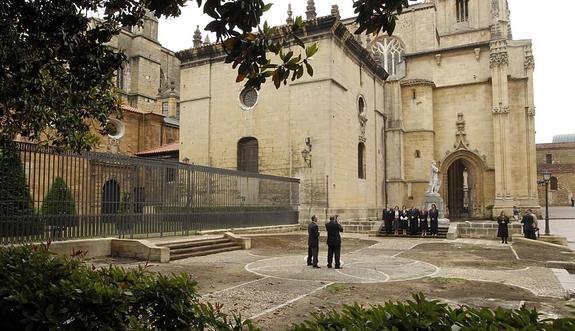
{"points": [[360, 267]]}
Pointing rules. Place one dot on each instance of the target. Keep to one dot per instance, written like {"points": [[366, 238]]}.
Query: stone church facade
{"points": [[450, 85]]}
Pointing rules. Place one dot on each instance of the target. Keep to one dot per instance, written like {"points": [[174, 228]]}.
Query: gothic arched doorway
{"points": [[462, 188]]}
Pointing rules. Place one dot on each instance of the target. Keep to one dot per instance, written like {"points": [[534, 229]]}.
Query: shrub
{"points": [[16, 209], [59, 206], [422, 314], [39, 291]]}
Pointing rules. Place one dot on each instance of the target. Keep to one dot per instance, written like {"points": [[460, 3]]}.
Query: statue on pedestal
{"points": [[434, 182]]}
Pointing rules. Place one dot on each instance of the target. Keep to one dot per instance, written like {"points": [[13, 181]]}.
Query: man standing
{"points": [[333, 229], [312, 242], [529, 225]]}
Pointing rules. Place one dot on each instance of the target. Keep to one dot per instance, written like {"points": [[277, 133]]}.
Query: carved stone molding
{"points": [[362, 139], [531, 111], [529, 62], [460, 135], [498, 59], [438, 59], [501, 110]]}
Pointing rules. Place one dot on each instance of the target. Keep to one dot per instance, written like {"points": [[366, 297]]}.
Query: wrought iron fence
{"points": [[99, 195]]}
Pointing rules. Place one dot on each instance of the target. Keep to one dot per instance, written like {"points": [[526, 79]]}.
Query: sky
{"points": [[547, 25]]}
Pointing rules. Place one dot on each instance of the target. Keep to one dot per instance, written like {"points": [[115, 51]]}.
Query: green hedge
{"points": [[39, 291], [422, 314], [59, 207]]}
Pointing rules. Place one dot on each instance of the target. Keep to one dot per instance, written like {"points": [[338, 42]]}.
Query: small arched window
{"points": [[553, 186], [361, 160], [417, 154], [462, 10], [248, 154], [360, 105]]}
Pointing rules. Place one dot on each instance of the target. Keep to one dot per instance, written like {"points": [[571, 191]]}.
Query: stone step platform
{"points": [[441, 234], [184, 249]]}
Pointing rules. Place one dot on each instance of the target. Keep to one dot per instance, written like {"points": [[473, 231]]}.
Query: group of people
{"points": [[529, 222], [333, 229], [411, 220]]}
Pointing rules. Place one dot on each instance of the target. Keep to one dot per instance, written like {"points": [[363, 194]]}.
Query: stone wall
{"points": [[485, 230]]}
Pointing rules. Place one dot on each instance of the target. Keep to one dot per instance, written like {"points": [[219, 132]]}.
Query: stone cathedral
{"points": [[451, 86]]}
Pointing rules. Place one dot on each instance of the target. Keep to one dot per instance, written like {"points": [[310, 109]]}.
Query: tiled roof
{"points": [[138, 111], [556, 168], [555, 146], [169, 148]]}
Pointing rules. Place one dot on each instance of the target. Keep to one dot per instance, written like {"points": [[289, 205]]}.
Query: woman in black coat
{"points": [[502, 229], [413, 221], [403, 220], [433, 220], [423, 224], [388, 220]]}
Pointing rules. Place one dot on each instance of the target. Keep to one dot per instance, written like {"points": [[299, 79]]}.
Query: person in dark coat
{"points": [[502, 228], [396, 221], [529, 225], [333, 229], [312, 242], [423, 223], [413, 221], [433, 220], [388, 220], [404, 220]]}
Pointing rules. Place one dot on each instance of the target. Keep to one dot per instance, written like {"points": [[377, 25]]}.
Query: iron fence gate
{"points": [[68, 195]]}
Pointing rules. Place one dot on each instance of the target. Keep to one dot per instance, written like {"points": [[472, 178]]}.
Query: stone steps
{"points": [[184, 249], [441, 234]]}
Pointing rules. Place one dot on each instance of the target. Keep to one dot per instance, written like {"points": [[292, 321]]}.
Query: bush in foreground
{"points": [[40, 291], [423, 314]]}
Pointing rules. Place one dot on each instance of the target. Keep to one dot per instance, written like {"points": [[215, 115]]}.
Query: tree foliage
{"points": [[15, 198], [40, 291], [56, 71]]}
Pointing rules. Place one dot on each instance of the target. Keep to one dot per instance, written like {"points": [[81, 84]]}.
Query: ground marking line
{"points": [[514, 252], [235, 286], [362, 278], [289, 301]]}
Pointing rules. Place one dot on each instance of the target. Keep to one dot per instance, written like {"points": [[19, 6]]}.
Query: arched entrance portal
{"points": [[462, 188]]}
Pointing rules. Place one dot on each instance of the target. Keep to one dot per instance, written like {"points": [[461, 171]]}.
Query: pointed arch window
{"points": [[462, 10], [389, 52]]}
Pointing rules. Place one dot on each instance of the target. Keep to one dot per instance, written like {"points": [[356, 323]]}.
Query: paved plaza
{"points": [[272, 285]]}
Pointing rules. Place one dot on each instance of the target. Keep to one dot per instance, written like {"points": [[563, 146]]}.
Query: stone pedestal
{"points": [[435, 198]]}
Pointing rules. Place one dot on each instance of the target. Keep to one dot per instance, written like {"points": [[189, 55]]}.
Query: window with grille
{"points": [[462, 8], [248, 154], [549, 158], [553, 185], [165, 108]]}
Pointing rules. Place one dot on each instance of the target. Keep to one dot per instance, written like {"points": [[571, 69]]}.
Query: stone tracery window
{"points": [[389, 52]]}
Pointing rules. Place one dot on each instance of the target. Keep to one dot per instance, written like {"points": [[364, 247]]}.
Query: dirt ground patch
{"points": [[297, 244], [466, 255], [452, 291], [538, 252]]}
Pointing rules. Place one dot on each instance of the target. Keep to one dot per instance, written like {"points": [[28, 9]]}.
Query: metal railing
{"points": [[94, 194]]}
